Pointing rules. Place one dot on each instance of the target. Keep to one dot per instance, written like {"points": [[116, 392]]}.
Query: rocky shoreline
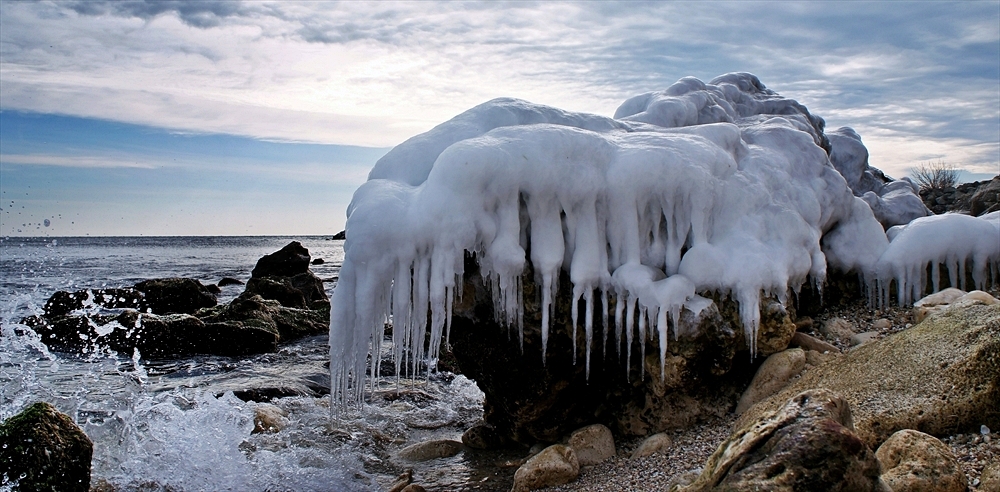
{"points": [[683, 460]]}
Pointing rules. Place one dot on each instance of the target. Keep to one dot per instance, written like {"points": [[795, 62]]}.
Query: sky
{"points": [[258, 118]]}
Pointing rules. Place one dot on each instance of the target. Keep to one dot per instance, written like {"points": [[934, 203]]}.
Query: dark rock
{"points": [[214, 289], [986, 198], [154, 336], [318, 261], [482, 436], [62, 302], [289, 261], [229, 281], [176, 295], [340, 236], [530, 400], [42, 449], [809, 444], [253, 311], [301, 291]]}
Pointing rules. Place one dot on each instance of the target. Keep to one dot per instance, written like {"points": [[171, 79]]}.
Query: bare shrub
{"points": [[935, 176]]}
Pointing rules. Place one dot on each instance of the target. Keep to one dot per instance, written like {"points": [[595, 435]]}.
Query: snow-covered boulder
{"points": [[722, 189]]}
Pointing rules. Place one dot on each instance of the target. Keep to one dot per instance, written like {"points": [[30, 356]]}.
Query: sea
{"points": [[178, 425]]}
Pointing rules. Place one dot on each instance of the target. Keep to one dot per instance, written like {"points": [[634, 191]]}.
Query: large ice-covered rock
{"points": [[893, 202], [723, 189]]}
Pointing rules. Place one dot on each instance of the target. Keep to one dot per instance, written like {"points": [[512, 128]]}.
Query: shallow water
{"points": [[180, 424]]}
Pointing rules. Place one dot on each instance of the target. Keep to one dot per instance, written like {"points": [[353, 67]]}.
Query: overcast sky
{"points": [[163, 118]]}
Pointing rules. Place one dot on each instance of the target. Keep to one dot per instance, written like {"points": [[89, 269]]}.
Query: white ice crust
{"points": [[721, 187]]}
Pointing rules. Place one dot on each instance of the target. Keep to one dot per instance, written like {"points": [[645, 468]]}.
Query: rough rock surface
{"points": [[47, 449], [808, 444], [531, 400], [482, 435], [916, 462], [991, 477], [772, 375], [976, 198], [555, 465], [429, 450], [592, 444], [652, 445], [177, 317], [939, 377]]}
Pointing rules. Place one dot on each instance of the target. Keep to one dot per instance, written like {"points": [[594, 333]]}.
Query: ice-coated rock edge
{"points": [[724, 187]]}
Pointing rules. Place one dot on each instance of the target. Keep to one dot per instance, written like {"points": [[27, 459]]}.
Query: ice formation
{"points": [[722, 187]]}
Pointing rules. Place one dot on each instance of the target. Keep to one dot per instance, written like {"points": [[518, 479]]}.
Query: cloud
{"points": [[72, 161], [377, 73]]}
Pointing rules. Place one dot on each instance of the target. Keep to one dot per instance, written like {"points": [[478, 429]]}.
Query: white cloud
{"points": [[376, 73]]}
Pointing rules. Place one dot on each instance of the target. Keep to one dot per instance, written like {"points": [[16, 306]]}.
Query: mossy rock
{"points": [[42, 449]]}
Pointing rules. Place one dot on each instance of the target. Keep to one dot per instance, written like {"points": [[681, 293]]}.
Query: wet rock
{"points": [[772, 375], [268, 419], [652, 445], [318, 261], [555, 465], [250, 311], [429, 450], [530, 399], [808, 444], [482, 436], [289, 261], [284, 276], [592, 444], [913, 461], [226, 281], [46, 450], [340, 235], [63, 303], [403, 480], [940, 377], [175, 295]]}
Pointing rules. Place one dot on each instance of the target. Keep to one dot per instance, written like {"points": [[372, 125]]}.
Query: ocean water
{"points": [[178, 424]]}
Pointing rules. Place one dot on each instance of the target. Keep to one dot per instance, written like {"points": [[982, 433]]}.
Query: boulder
{"points": [[174, 335], [268, 419], [863, 338], [986, 199], [533, 399], [250, 311], [916, 462], [812, 344], [175, 295], [772, 375], [63, 303], [227, 281], [482, 435], [46, 450], [555, 465], [881, 324], [592, 444], [808, 444], [940, 377], [429, 450], [837, 328], [652, 445], [288, 261], [284, 276]]}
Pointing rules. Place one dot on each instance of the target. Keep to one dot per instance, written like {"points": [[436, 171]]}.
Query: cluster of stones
{"points": [[935, 378], [176, 317], [976, 198]]}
